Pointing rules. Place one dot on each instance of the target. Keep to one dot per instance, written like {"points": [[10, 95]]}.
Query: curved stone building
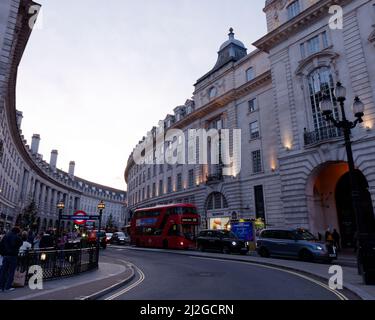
{"points": [[24, 176], [293, 163]]}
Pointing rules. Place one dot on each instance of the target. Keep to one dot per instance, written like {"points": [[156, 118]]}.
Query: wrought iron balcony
{"points": [[321, 134], [216, 174]]}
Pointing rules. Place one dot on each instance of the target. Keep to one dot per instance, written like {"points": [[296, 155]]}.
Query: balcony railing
{"points": [[321, 134]]}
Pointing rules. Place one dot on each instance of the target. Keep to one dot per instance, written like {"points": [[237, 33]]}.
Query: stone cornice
{"points": [[305, 18], [217, 103]]}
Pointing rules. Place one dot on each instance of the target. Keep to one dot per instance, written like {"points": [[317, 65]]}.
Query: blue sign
{"points": [[243, 230]]}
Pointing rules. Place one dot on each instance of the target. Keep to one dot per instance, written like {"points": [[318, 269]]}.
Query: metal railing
{"points": [[59, 263], [321, 134]]}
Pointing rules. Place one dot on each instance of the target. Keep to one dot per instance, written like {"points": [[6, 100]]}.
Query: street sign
{"points": [[79, 217]]}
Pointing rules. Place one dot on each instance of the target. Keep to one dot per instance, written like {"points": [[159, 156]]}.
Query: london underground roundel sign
{"points": [[80, 213]]}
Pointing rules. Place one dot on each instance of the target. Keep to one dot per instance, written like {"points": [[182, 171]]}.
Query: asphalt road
{"points": [[165, 276]]}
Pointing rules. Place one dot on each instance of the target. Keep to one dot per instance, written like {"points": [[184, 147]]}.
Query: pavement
{"points": [[86, 286]]}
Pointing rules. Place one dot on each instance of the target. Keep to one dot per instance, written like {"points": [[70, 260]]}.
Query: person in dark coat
{"points": [[10, 246], [336, 239], [47, 241]]}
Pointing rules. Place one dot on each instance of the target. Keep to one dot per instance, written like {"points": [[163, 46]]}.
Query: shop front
{"points": [[219, 220]]}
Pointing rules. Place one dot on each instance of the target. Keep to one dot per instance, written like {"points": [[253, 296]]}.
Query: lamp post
{"points": [[101, 207], [364, 232], [60, 207]]}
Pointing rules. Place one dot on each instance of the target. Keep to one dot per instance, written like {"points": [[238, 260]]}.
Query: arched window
{"points": [[320, 84], [216, 200]]}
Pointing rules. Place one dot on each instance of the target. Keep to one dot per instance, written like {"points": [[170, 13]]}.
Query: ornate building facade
{"points": [[293, 163], [24, 176]]}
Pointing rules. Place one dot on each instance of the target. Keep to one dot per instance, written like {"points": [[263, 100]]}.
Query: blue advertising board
{"points": [[145, 222], [243, 230]]}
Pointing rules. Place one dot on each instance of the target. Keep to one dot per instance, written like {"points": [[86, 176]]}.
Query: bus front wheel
{"points": [[165, 244]]}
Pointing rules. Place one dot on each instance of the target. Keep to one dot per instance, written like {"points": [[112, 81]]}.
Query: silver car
{"points": [[294, 243]]}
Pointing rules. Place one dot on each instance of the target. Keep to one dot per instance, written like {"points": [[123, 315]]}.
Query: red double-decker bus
{"points": [[166, 226]]}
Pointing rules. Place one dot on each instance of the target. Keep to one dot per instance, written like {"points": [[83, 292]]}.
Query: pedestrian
{"points": [[26, 245], [36, 241], [328, 236], [30, 236], [336, 239], [9, 248], [47, 241]]}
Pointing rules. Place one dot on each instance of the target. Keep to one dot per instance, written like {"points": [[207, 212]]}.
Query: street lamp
{"points": [[101, 207], [364, 232], [60, 207]]}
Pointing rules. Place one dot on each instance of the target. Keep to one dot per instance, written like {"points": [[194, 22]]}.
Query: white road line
{"points": [[132, 286], [338, 294]]}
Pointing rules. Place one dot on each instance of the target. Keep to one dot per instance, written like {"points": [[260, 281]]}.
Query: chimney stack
{"points": [[35, 143], [72, 165], [19, 117], [53, 159]]}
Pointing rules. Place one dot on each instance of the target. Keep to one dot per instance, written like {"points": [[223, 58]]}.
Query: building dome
{"points": [[231, 50], [231, 40]]}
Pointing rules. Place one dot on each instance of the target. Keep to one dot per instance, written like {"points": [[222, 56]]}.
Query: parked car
{"points": [[120, 238], [92, 238], [295, 243], [109, 236], [221, 240]]}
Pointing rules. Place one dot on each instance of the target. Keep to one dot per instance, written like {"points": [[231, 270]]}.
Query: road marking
{"points": [[338, 294], [132, 286]]}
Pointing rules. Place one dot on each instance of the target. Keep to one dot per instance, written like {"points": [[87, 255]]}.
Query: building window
{"points": [[321, 84], [216, 200], [250, 74], [257, 161], [212, 92], [313, 45], [169, 186], [259, 203], [325, 39], [160, 187], [254, 130], [302, 49], [153, 190], [293, 9], [252, 105], [161, 169], [179, 182], [191, 178]]}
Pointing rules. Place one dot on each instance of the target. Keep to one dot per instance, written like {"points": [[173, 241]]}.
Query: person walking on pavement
{"points": [[26, 245], [36, 241], [328, 236], [9, 248], [336, 239]]}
